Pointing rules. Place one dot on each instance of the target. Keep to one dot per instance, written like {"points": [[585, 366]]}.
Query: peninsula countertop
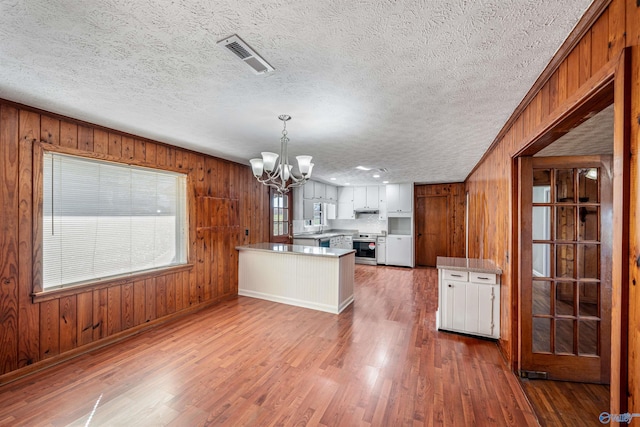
{"points": [[468, 264], [296, 249]]}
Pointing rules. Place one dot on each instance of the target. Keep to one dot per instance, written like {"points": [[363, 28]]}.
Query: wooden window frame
{"points": [[38, 293]]}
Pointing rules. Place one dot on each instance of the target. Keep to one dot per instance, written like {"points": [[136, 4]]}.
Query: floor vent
{"points": [[534, 375], [240, 49]]}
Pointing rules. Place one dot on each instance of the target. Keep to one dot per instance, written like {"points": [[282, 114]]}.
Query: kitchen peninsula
{"points": [[305, 276]]}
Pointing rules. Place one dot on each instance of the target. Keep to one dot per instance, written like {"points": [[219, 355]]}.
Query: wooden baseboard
{"points": [[112, 339]]}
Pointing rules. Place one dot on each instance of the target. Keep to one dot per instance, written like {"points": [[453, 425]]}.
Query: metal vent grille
{"points": [[240, 49], [236, 48]]}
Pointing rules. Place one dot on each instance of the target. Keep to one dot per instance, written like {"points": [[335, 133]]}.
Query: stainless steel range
{"points": [[365, 247]]}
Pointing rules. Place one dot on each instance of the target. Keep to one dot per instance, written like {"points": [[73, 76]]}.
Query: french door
{"points": [[281, 217], [566, 232]]}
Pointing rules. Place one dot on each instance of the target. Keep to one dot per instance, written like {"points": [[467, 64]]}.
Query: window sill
{"points": [[106, 283]]}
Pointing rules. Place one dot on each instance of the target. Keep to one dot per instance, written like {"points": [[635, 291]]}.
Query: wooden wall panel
{"points": [[456, 199], [9, 218], [28, 313], [84, 318], [490, 184], [35, 331]]}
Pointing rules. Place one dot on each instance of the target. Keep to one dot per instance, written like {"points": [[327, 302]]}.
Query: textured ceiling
{"points": [[594, 136], [420, 88]]}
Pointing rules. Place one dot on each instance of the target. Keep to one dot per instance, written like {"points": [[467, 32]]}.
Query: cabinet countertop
{"points": [[468, 264], [296, 249], [328, 233]]}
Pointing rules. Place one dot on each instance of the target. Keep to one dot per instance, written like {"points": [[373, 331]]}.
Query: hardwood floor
{"points": [[559, 403], [253, 362]]}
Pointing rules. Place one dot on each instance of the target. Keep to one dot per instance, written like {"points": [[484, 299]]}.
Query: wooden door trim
{"points": [[613, 81], [592, 97], [525, 181], [619, 389]]}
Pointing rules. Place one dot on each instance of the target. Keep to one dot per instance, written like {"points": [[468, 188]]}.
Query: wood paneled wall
{"points": [[491, 212], [456, 199], [224, 201]]}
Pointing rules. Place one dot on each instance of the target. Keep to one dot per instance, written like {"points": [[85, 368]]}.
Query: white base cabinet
{"points": [[399, 250], [469, 302]]}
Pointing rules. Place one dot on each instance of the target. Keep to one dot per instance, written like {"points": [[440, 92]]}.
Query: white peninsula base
{"points": [[304, 276]]}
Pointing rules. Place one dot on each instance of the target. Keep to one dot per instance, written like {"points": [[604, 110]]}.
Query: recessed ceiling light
{"points": [[376, 176], [385, 182], [346, 183], [332, 179], [363, 168]]}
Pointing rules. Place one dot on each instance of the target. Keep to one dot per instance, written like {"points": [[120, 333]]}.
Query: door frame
{"points": [[611, 84], [288, 239], [563, 367]]}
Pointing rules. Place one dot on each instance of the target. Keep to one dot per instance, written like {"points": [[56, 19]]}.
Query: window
{"points": [[103, 219]]}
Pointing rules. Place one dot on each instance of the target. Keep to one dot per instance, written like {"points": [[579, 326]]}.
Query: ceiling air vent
{"points": [[239, 48]]}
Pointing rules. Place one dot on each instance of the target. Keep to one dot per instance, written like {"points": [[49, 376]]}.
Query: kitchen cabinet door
{"points": [[400, 251], [331, 193], [345, 210], [345, 194], [318, 190], [366, 197], [485, 323], [453, 305], [382, 205], [399, 198], [359, 197], [308, 190], [372, 197], [298, 203]]}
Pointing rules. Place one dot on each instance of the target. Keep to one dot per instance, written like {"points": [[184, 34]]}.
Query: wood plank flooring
{"points": [[253, 362], [559, 403]]}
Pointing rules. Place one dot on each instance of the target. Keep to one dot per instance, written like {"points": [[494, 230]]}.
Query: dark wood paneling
{"points": [[28, 313], [455, 221], [34, 331], [85, 318], [68, 323], [68, 135], [9, 219], [490, 183]]}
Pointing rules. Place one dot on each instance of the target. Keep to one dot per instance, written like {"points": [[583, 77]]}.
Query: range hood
{"points": [[366, 211]]}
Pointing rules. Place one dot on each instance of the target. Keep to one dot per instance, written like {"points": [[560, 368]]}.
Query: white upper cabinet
{"points": [[399, 198], [314, 190], [366, 197], [318, 190], [331, 193], [309, 190], [345, 203], [298, 203], [382, 205]]}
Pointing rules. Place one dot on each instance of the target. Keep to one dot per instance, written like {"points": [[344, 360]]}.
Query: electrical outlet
{"points": [[246, 232]]}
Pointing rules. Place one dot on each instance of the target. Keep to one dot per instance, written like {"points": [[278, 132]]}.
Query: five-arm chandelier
{"points": [[276, 171]]}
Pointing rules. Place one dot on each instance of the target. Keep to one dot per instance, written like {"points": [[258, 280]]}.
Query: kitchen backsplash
{"points": [[364, 223]]}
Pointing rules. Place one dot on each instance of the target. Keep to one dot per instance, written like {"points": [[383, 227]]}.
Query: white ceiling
{"points": [[419, 87]]}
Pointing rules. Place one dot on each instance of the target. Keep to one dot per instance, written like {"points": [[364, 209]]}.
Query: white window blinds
{"points": [[104, 219]]}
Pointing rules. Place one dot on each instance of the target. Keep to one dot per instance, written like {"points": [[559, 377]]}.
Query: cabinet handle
{"points": [[483, 278], [456, 275], [451, 286]]}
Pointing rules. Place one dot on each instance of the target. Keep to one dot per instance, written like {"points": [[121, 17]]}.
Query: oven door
{"points": [[365, 251]]}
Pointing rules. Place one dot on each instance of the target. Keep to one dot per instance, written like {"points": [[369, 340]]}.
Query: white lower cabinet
{"points": [[399, 250], [469, 302]]}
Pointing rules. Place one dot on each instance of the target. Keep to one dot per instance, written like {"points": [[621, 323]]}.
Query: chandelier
{"points": [[275, 171]]}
